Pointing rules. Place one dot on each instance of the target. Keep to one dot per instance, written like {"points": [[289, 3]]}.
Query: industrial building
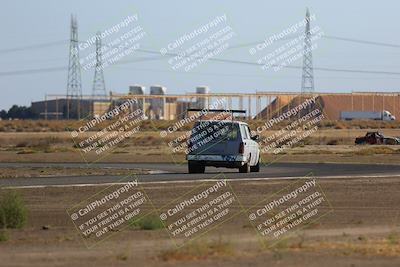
{"points": [[63, 108], [158, 105], [332, 104]]}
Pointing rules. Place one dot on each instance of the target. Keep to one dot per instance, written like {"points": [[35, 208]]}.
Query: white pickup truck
{"points": [[222, 143]]}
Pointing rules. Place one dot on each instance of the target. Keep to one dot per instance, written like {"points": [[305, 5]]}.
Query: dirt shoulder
{"points": [[362, 230], [325, 146], [158, 155], [53, 171]]}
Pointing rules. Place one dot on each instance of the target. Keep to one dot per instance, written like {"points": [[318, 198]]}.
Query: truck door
{"points": [[249, 151], [254, 148]]}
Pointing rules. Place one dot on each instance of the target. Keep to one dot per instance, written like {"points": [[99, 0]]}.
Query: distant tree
{"points": [[31, 114], [3, 114], [21, 112], [14, 112]]}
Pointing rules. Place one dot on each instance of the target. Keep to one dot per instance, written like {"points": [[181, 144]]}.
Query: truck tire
{"points": [[245, 168], [194, 167], [255, 168]]}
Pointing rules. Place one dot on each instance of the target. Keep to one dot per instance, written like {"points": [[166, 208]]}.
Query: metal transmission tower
{"points": [[74, 83], [99, 87], [307, 83]]}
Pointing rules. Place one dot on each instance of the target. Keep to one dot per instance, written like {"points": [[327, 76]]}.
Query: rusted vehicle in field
{"points": [[377, 138]]}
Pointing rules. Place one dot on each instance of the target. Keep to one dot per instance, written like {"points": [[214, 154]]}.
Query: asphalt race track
{"points": [[162, 172]]}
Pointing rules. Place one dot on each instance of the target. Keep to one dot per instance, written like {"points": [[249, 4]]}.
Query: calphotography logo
{"points": [[288, 210], [194, 48], [108, 211], [113, 44], [98, 137], [295, 45], [304, 121], [199, 211]]}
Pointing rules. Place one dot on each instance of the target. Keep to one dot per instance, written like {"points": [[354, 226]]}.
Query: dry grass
{"points": [[329, 133], [326, 145], [361, 244], [376, 150], [199, 250], [53, 171], [364, 247], [68, 125]]}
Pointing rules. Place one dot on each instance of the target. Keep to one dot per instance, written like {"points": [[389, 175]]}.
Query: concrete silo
{"points": [[138, 90], [157, 105], [202, 102]]}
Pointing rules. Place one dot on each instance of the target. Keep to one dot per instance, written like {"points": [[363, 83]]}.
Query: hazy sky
{"points": [[25, 23]]}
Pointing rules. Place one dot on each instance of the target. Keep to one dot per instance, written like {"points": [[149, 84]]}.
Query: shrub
{"points": [[200, 249], [26, 151], [376, 150], [22, 144], [150, 222], [393, 239], [333, 142], [3, 235], [13, 213]]}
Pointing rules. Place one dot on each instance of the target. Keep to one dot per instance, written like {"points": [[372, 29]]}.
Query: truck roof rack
{"points": [[205, 110], [217, 110]]}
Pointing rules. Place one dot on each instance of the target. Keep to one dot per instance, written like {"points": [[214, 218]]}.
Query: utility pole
{"points": [[99, 87], [307, 83], [74, 82]]}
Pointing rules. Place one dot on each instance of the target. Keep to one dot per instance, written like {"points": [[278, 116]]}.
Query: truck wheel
{"points": [[245, 168], [195, 167], [255, 168]]}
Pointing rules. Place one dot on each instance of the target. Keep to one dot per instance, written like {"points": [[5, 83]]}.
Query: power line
{"points": [[33, 71], [331, 37], [240, 75], [288, 67], [259, 42], [360, 41], [55, 69], [34, 46], [154, 52]]}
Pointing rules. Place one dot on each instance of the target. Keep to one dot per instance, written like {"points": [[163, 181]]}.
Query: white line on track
{"points": [[210, 180]]}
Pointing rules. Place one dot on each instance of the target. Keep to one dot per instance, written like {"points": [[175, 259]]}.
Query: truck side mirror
{"points": [[255, 137]]}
